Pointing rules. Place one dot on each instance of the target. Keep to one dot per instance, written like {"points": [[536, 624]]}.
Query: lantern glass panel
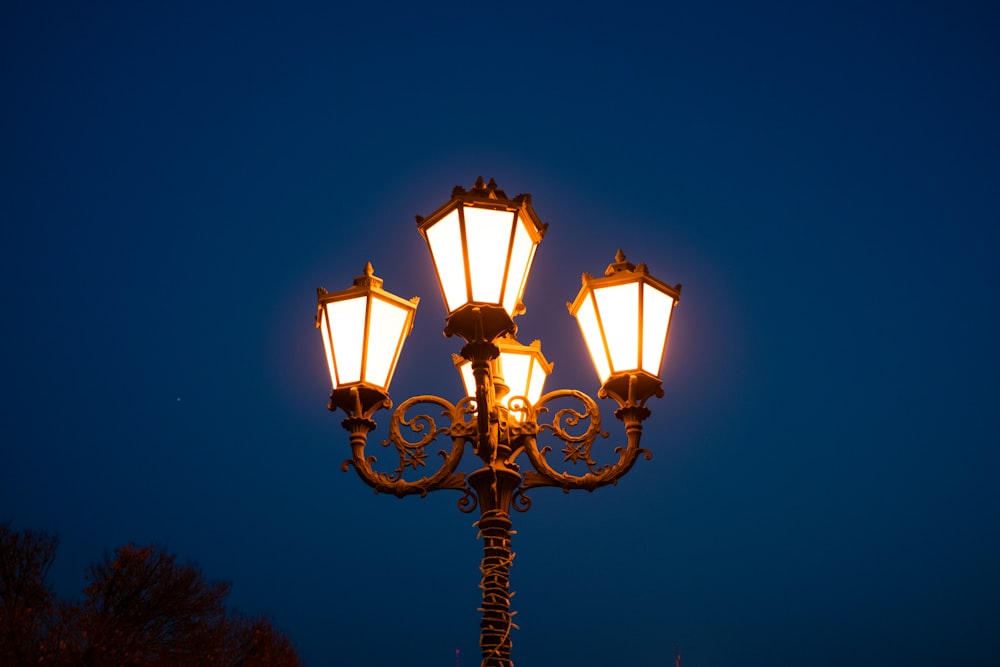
{"points": [[536, 383], [325, 331], [656, 309], [618, 306], [347, 332], [445, 240], [521, 255], [468, 379], [386, 328], [516, 368], [586, 316], [487, 235]]}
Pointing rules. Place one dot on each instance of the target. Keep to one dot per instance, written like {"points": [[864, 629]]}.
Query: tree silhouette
{"points": [[253, 642], [141, 608], [27, 605]]}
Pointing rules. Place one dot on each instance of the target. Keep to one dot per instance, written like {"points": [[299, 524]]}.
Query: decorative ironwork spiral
{"points": [[521, 502], [577, 447], [468, 502], [412, 453]]}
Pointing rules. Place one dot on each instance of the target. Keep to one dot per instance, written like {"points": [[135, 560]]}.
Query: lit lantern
{"points": [[519, 373], [363, 330], [625, 318], [482, 245]]}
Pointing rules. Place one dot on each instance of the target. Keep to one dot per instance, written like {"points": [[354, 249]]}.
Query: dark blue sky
{"points": [[822, 177]]}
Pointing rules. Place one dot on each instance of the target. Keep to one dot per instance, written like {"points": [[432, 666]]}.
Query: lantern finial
{"points": [[620, 264], [368, 277]]}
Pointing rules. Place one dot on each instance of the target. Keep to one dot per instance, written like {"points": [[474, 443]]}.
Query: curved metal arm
{"points": [[412, 453], [578, 447]]}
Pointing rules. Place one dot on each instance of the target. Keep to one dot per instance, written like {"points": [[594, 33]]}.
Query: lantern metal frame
{"points": [[632, 385], [483, 425], [493, 317], [362, 396]]}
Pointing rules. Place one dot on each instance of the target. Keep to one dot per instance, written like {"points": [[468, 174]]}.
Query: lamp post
{"points": [[482, 245]]}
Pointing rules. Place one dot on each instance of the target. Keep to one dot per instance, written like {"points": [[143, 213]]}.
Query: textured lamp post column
{"points": [[482, 245], [495, 489]]}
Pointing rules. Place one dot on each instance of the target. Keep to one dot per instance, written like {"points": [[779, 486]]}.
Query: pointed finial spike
{"points": [[480, 183], [492, 185], [368, 278], [621, 264]]}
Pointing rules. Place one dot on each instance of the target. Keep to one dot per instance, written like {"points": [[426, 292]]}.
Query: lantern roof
{"points": [[622, 270], [366, 282], [484, 195]]}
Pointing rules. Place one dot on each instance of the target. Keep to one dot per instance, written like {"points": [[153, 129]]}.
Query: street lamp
{"points": [[482, 245]]}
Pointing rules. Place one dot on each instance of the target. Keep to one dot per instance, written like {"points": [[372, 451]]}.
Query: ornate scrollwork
{"points": [[520, 502], [578, 446], [412, 453], [468, 502]]}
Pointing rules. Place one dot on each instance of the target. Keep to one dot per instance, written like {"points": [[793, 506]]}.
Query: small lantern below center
{"points": [[520, 369]]}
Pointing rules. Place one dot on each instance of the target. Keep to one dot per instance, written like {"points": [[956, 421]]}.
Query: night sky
{"points": [[176, 179]]}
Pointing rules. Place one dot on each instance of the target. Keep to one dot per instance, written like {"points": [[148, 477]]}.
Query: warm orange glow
{"points": [[324, 326], [657, 307], [347, 337], [522, 253], [586, 317], [490, 266], [445, 241], [468, 379], [487, 235], [618, 309], [387, 327]]}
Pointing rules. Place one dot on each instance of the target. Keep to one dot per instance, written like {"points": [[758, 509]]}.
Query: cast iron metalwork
{"points": [[499, 486], [565, 418]]}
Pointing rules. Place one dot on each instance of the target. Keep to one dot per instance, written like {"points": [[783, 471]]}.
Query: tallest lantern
{"points": [[482, 245]]}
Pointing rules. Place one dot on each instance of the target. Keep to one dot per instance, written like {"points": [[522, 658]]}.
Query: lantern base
{"points": [[632, 389], [480, 322], [358, 400]]}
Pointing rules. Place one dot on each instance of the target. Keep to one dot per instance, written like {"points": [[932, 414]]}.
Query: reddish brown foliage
{"points": [[142, 608], [27, 606]]}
